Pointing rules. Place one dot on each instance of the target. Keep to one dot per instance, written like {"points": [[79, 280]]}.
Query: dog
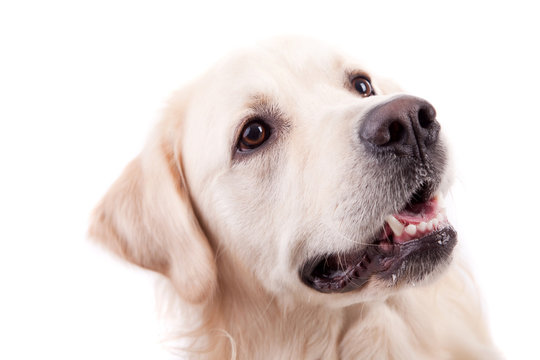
{"points": [[294, 201]]}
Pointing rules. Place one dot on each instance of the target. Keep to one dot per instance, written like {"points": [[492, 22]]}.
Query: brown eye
{"points": [[254, 134], [363, 86]]}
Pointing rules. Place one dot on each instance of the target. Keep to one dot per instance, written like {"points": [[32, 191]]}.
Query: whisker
{"points": [[340, 235]]}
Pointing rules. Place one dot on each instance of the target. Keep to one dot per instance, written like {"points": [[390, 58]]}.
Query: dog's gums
{"points": [[410, 245], [415, 221]]}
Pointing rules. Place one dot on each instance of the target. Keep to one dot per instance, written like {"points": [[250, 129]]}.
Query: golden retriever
{"points": [[293, 198]]}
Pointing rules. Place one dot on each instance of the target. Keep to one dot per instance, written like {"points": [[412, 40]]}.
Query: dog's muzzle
{"points": [[401, 136]]}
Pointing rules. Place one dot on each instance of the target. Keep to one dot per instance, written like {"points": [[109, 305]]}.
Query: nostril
{"points": [[405, 125], [424, 118], [397, 131]]}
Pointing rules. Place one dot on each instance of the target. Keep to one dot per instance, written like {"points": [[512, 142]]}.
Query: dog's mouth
{"points": [[410, 245]]}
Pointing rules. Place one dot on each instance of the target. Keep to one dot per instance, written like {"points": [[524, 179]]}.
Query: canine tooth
{"points": [[435, 223], [440, 217], [422, 226], [430, 225], [410, 229], [395, 225]]}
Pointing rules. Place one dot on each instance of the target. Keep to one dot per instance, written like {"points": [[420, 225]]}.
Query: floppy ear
{"points": [[147, 218]]}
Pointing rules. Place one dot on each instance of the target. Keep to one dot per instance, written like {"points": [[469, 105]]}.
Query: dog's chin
{"points": [[412, 245]]}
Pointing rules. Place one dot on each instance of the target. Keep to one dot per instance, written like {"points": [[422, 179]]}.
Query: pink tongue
{"points": [[415, 214]]}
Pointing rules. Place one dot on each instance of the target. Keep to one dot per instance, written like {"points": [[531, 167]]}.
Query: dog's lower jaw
{"points": [[246, 322]]}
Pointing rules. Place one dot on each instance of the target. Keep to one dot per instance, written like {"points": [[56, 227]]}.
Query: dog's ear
{"points": [[147, 218]]}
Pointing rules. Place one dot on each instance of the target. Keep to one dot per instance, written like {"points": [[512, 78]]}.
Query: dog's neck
{"points": [[258, 324], [245, 322]]}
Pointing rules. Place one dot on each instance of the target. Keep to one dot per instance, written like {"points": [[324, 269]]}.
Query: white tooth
{"points": [[410, 229], [395, 225], [430, 225], [422, 226], [435, 223]]}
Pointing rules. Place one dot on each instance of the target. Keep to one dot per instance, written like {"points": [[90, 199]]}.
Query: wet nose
{"points": [[405, 125]]}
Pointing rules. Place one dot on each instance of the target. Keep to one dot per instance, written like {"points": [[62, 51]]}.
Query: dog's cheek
{"points": [[262, 222], [241, 212]]}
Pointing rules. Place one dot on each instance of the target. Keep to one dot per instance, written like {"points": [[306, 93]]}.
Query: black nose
{"points": [[405, 125]]}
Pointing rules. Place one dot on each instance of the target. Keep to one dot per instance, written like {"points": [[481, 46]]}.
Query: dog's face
{"points": [[302, 168]]}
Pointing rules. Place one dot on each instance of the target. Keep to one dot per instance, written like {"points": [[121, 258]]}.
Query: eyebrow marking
{"points": [[262, 105]]}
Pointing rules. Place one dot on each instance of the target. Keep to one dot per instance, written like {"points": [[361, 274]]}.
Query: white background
{"points": [[81, 84]]}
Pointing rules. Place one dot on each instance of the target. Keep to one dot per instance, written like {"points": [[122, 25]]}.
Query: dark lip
{"points": [[407, 262]]}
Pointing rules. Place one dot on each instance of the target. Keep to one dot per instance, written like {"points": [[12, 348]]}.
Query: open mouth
{"points": [[410, 245]]}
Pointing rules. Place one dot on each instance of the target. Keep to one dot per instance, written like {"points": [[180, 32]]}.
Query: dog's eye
{"points": [[363, 86], [253, 135]]}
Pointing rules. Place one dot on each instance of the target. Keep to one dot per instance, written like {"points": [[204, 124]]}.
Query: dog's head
{"points": [[302, 170]]}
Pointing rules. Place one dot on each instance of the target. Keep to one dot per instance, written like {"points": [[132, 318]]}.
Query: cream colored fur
{"points": [[230, 233]]}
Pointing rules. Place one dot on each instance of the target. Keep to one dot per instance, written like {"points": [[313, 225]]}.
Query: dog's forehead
{"points": [[276, 66], [284, 71], [295, 57]]}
